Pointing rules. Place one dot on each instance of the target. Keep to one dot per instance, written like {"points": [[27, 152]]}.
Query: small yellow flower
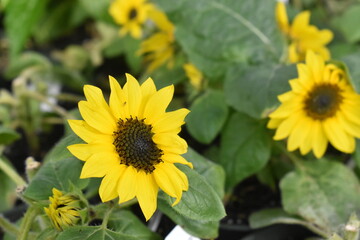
{"points": [[159, 47], [132, 142], [63, 210], [131, 14], [195, 76], [302, 35], [321, 107]]}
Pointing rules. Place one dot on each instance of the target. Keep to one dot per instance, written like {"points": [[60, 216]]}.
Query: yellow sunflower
{"points": [[302, 35], [321, 107], [63, 210], [132, 143], [131, 14], [159, 47]]}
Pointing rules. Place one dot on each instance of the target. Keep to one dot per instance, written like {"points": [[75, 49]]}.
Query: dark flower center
{"points": [[132, 13], [134, 144], [323, 101]]}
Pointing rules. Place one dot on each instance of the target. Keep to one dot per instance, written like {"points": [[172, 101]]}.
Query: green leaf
{"points": [[352, 68], [58, 174], [93, 233], [208, 115], [7, 190], [20, 19], [254, 90], [8, 135], [267, 217], [198, 228], [322, 192], [213, 173], [245, 148], [200, 201], [126, 222], [60, 151], [215, 34], [345, 23]]}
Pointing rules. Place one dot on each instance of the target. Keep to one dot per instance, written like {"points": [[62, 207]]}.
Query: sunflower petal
{"points": [[127, 187], [175, 158], [117, 101], [109, 184], [157, 104], [147, 194], [171, 121]]}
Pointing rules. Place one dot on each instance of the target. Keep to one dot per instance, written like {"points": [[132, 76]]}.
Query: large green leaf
{"points": [[215, 34], [215, 177], [127, 223], [208, 115], [345, 23], [60, 170], [8, 135], [213, 173], [352, 66], [93, 233], [322, 192], [245, 148], [254, 90], [20, 19], [267, 217], [198, 228], [200, 201]]}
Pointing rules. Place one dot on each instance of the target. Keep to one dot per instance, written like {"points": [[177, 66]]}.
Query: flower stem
{"points": [[26, 222], [11, 173], [8, 226], [107, 216]]}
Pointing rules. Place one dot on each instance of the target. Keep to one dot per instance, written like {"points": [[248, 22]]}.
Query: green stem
{"points": [[107, 216], [8, 226], [26, 222], [11, 173], [295, 159]]}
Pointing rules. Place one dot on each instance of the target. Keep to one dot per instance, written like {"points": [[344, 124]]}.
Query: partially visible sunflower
{"points": [[321, 107], [159, 48], [132, 143], [131, 14], [63, 210], [195, 76], [302, 36]]}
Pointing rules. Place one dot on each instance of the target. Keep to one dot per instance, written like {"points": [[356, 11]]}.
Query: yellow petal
{"points": [[171, 121], [319, 140], [88, 133], [350, 127], [300, 23], [97, 118], [171, 180], [338, 137], [147, 194], [128, 184], [148, 89], [171, 143], [274, 122], [287, 126], [133, 95], [157, 104], [99, 164], [306, 144], [281, 17], [117, 101], [316, 65], [287, 108], [84, 151], [175, 158], [299, 133], [109, 184]]}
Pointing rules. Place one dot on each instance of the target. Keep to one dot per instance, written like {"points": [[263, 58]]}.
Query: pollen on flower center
{"points": [[132, 14], [134, 144], [323, 101]]}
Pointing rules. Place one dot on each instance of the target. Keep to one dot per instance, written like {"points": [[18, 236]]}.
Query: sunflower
{"points": [[63, 210], [132, 143], [159, 47], [302, 36], [131, 15], [321, 107]]}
